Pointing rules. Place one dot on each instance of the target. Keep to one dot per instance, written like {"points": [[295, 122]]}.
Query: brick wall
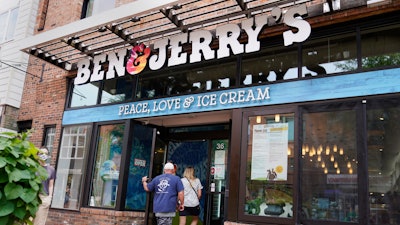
{"points": [[43, 100], [54, 17], [89, 216]]}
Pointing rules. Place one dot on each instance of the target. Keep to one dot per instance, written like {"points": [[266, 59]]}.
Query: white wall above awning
{"points": [[141, 21]]}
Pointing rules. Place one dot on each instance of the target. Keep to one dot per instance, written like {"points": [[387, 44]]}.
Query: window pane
{"points": [[106, 170], [3, 23], [184, 81], [383, 125], [117, 90], [380, 48], [330, 55], [85, 94], [273, 64], [329, 166], [269, 175], [12, 22], [139, 166], [98, 6], [70, 167], [49, 138]]}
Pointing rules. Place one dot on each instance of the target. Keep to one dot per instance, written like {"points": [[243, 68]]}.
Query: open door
{"points": [[142, 145], [205, 148], [192, 153], [209, 158]]}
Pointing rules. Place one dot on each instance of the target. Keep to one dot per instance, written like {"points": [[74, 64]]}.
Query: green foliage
{"points": [[21, 179], [371, 62]]}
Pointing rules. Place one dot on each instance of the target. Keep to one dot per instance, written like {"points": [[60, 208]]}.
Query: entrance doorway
{"points": [[205, 148]]}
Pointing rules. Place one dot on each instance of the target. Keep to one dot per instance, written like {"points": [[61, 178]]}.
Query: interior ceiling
{"points": [[149, 26]]}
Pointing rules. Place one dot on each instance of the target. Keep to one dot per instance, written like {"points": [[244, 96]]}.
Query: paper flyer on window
{"points": [[269, 153]]}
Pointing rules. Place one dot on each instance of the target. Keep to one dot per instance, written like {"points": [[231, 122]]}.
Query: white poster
{"points": [[269, 158], [219, 157]]}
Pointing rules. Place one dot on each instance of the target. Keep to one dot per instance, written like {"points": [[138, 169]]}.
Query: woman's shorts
{"points": [[190, 211]]}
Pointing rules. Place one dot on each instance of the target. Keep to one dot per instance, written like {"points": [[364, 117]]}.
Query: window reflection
{"points": [[173, 82], [106, 171], [85, 94], [272, 65], [330, 55], [380, 48], [383, 123], [269, 174], [117, 90], [70, 167], [329, 166]]}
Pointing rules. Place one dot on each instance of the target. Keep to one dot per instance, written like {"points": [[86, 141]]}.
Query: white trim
{"points": [[98, 20]]}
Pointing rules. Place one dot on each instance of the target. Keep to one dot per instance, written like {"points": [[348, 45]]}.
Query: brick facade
{"points": [[43, 100], [88, 216], [43, 103]]}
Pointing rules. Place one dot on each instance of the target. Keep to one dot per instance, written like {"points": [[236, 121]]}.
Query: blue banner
{"points": [[329, 87]]}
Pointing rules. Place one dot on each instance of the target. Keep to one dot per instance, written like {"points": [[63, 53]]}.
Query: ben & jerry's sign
{"points": [[228, 41]]}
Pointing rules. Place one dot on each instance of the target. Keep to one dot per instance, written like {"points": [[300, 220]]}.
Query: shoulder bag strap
{"points": [[191, 186]]}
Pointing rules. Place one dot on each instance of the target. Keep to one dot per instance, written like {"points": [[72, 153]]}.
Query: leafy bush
{"points": [[21, 177]]}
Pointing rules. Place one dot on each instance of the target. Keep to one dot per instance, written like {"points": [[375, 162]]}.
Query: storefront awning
{"points": [[140, 21]]}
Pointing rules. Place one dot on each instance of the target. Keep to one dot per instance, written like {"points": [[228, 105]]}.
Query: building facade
{"points": [[17, 20], [288, 110]]}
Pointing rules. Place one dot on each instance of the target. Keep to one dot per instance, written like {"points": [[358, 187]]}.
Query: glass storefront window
{"points": [[272, 65], [270, 170], [71, 166], [85, 94], [329, 55], [383, 129], [329, 165], [105, 177], [380, 47], [117, 90]]}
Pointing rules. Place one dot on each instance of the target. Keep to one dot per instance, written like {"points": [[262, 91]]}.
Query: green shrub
{"points": [[21, 177]]}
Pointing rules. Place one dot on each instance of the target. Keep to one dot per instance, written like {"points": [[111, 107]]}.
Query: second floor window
{"points": [[93, 7], [8, 22]]}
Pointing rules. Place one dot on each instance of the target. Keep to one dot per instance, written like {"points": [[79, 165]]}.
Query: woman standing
{"points": [[192, 186]]}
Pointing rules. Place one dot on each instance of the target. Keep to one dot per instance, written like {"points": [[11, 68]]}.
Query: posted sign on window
{"points": [[269, 158]]}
